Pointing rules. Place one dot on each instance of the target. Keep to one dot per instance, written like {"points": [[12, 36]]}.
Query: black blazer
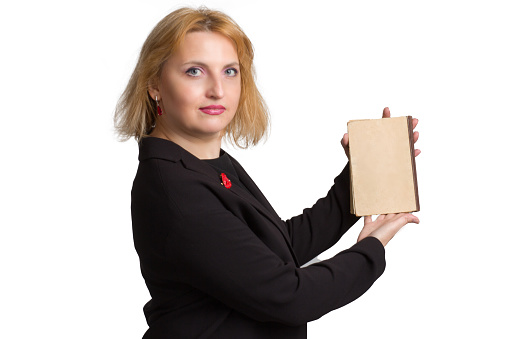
{"points": [[220, 263]]}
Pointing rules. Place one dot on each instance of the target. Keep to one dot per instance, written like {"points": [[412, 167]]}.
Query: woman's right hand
{"points": [[385, 226]]}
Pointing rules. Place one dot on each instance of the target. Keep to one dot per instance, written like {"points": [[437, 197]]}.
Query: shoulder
{"points": [[163, 164], [182, 190]]}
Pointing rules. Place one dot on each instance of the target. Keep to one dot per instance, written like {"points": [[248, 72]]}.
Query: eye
{"points": [[194, 72], [231, 72]]}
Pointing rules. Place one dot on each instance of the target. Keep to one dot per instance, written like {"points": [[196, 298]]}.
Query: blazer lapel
{"points": [[253, 200], [261, 203], [257, 193], [262, 206]]}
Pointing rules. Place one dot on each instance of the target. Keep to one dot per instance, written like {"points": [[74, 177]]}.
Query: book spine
{"points": [[412, 156], [352, 203]]}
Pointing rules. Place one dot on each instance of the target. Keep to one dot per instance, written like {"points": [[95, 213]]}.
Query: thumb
{"points": [[386, 113]]}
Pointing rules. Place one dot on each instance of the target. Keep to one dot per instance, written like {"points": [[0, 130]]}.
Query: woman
{"points": [[216, 258]]}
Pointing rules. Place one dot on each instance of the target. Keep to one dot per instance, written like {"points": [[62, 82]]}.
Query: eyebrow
{"points": [[199, 63]]}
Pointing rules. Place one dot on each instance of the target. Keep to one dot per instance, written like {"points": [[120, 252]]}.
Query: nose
{"points": [[215, 88]]}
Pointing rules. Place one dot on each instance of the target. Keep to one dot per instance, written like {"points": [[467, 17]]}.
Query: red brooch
{"points": [[225, 181]]}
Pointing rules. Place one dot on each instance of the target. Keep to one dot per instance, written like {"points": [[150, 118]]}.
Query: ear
{"points": [[153, 89]]}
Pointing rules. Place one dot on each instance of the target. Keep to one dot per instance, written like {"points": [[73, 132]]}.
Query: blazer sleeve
{"points": [[217, 253], [320, 227]]}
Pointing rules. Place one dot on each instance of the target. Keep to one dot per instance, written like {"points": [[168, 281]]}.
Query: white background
{"points": [[68, 265]]}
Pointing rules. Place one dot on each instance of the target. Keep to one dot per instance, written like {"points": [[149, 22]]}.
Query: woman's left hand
{"points": [[386, 114], [385, 226]]}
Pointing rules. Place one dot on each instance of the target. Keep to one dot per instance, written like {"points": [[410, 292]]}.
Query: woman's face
{"points": [[199, 87]]}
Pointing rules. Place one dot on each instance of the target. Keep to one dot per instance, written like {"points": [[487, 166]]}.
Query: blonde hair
{"points": [[136, 111]]}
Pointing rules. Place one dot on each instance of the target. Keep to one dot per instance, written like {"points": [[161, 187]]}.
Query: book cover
{"points": [[382, 166]]}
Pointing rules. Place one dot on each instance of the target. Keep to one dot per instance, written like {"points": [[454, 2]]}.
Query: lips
{"points": [[213, 109]]}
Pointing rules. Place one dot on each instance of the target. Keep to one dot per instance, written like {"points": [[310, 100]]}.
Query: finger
{"points": [[344, 141], [386, 113], [417, 152], [390, 215], [413, 219], [367, 219], [409, 217], [381, 217], [416, 136], [404, 218], [415, 121]]}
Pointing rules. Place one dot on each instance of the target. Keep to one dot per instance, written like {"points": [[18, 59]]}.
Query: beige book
{"points": [[382, 166]]}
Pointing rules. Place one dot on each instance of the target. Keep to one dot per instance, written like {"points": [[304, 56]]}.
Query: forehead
{"points": [[210, 46]]}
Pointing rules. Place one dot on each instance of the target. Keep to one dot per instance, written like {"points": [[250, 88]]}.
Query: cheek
{"points": [[184, 96], [235, 90]]}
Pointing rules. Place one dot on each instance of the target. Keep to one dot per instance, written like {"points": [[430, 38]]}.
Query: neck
{"points": [[202, 148]]}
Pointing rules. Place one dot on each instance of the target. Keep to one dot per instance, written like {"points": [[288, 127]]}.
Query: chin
{"points": [[209, 132], [214, 128]]}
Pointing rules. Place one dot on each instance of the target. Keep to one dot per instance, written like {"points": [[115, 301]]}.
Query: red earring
{"points": [[159, 110]]}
